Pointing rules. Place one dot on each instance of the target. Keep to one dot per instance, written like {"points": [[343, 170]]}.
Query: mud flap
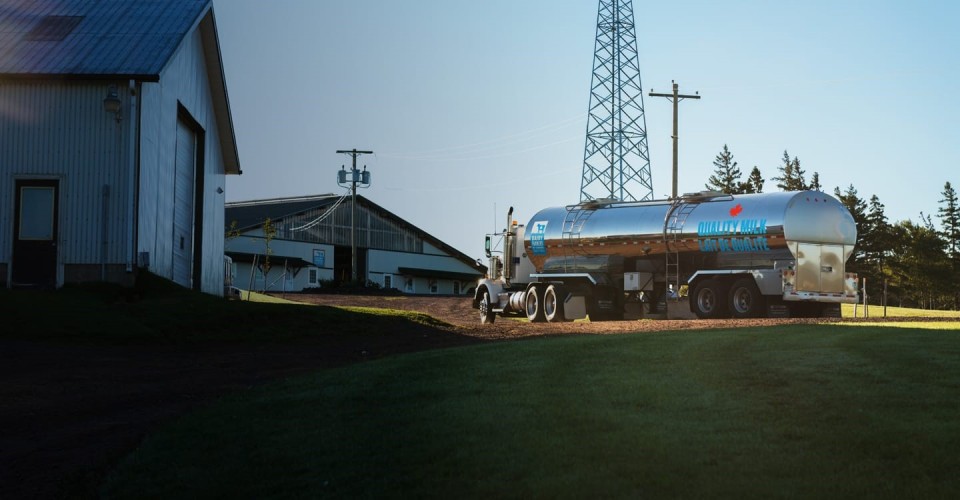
{"points": [[574, 307]]}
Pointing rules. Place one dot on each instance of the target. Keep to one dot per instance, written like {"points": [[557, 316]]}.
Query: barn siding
{"points": [[184, 81], [58, 129], [252, 242]]}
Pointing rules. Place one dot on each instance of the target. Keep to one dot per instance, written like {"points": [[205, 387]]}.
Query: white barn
{"points": [[115, 139], [312, 248]]}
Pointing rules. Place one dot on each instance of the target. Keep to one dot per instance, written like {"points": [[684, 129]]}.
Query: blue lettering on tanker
{"points": [[538, 238], [731, 227], [744, 235]]}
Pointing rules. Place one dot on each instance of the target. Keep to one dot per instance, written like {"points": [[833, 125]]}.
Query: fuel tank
{"points": [[591, 235]]}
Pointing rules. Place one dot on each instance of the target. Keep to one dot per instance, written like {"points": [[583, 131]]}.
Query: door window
{"points": [[36, 213]]}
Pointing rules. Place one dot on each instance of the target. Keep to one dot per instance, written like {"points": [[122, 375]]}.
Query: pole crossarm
{"points": [[675, 98], [355, 178]]}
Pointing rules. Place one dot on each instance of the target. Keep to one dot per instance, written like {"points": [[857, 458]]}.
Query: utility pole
{"points": [[676, 98], [356, 177]]}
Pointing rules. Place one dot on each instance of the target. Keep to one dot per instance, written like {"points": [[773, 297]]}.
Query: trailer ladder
{"points": [[572, 225], [677, 216]]}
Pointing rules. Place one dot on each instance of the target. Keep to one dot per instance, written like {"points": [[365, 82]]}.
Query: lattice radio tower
{"points": [[616, 159]]}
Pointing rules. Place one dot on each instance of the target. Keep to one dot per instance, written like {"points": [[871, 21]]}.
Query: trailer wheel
{"points": [[709, 299], [534, 305], [487, 316], [745, 299], [553, 304]]}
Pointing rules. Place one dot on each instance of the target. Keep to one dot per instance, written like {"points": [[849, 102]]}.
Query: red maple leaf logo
{"points": [[735, 211]]}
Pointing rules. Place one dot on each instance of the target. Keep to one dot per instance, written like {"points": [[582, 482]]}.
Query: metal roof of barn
{"points": [[94, 38], [251, 214], [113, 39]]}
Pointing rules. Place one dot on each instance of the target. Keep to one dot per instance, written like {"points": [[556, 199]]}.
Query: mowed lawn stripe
{"points": [[804, 410]]}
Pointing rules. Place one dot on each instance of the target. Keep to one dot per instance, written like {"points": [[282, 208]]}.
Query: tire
{"points": [[553, 304], [487, 316], [534, 305], [709, 299], [746, 300]]}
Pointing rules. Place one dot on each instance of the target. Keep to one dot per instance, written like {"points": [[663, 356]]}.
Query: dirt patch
{"points": [[459, 312]]}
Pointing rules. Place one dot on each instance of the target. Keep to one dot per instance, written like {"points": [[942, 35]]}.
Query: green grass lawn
{"points": [[876, 312], [800, 411]]}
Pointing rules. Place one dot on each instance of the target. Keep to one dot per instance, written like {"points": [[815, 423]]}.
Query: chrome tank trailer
{"points": [[732, 228]]}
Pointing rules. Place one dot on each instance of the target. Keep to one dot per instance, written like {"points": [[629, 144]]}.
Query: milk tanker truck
{"points": [[779, 254]]}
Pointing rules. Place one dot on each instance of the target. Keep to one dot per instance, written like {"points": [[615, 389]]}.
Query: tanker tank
{"points": [[722, 230]]}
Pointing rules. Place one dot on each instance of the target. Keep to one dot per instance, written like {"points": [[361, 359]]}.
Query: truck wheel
{"points": [[487, 316], [553, 305], [534, 305], [745, 299], [709, 299]]}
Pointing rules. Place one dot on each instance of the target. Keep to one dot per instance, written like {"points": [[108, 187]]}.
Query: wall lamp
{"points": [[111, 103]]}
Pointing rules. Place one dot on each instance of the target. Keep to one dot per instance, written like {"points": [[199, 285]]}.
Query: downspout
{"points": [[135, 87]]}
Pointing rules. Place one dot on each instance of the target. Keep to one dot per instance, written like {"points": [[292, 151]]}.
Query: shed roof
{"points": [[95, 38], [251, 214], [113, 39]]}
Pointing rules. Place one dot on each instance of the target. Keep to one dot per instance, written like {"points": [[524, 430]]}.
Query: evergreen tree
{"points": [[791, 175], [754, 182], [815, 182], [876, 240], [726, 175], [857, 208], [799, 181], [949, 215]]}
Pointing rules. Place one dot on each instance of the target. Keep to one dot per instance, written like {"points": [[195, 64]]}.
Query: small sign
{"points": [[538, 238], [319, 257]]}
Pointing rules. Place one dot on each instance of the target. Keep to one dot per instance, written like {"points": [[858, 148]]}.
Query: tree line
{"points": [[918, 262]]}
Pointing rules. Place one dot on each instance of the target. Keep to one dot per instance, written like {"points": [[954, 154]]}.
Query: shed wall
{"points": [[58, 129], [185, 82]]}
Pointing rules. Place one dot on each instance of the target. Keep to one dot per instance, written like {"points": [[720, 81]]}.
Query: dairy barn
{"points": [[311, 248], [115, 140]]}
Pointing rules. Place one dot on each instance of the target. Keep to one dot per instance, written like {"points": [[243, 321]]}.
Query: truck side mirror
{"points": [[486, 246]]}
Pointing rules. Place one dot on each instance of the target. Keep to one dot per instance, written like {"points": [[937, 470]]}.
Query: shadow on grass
{"points": [[158, 310]]}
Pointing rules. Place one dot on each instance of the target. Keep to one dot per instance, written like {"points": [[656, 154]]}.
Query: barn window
{"points": [[433, 286], [312, 277], [408, 285], [387, 281], [456, 288]]}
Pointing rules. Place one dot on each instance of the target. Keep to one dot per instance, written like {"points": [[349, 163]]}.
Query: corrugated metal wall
{"points": [[183, 81], [59, 130]]}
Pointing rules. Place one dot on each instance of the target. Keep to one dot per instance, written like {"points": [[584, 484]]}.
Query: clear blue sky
{"points": [[475, 105]]}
